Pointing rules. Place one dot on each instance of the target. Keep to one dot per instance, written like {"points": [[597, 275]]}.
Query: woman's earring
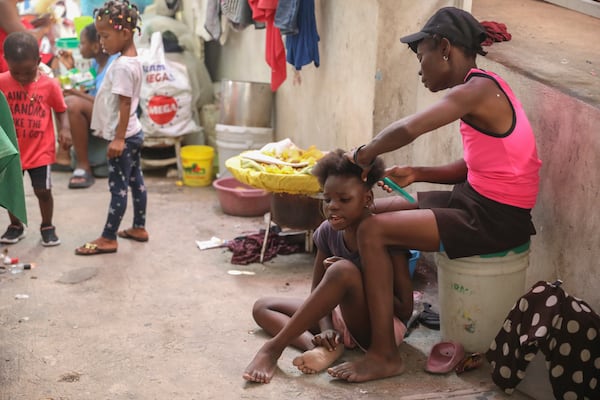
{"points": [[445, 58]]}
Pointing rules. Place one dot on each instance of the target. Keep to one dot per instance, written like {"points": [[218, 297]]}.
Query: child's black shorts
{"points": [[41, 177]]}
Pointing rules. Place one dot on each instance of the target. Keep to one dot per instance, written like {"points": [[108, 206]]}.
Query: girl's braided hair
{"points": [[121, 14]]}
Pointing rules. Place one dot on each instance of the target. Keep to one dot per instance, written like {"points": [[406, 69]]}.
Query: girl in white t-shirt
{"points": [[114, 119]]}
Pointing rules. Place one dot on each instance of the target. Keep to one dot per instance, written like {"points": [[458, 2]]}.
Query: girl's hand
{"points": [[70, 92], [115, 148], [402, 175], [66, 58], [329, 339], [74, 91], [330, 260], [64, 138]]}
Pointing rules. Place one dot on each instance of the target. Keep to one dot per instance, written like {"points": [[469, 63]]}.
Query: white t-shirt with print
{"points": [[123, 78]]}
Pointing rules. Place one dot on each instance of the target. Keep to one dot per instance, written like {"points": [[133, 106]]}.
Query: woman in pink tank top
{"points": [[495, 183]]}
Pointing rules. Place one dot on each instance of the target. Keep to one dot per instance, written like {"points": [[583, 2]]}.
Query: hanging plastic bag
{"points": [[166, 94]]}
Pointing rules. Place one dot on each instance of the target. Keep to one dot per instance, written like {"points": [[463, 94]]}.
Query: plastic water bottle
{"points": [[20, 267]]}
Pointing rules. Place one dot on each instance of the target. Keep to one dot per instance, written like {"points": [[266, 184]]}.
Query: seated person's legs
{"points": [[273, 313], [80, 112], [341, 284]]}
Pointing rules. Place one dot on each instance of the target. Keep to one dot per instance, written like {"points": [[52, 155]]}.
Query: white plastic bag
{"points": [[166, 94]]}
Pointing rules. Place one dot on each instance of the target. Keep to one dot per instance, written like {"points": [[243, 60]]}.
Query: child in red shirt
{"points": [[32, 96]]}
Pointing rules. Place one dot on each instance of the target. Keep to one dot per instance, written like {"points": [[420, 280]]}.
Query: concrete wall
{"points": [[367, 79], [566, 245]]}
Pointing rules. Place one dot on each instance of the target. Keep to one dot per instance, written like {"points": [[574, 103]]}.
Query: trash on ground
{"points": [[470, 362], [6, 260], [213, 243], [18, 268], [70, 377], [238, 272]]}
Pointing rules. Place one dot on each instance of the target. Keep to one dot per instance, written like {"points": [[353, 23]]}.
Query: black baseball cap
{"points": [[456, 25]]}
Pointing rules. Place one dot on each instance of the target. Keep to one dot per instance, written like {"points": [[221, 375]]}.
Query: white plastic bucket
{"points": [[232, 140], [476, 294]]}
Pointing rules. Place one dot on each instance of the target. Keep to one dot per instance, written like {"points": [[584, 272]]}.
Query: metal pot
{"points": [[245, 104]]}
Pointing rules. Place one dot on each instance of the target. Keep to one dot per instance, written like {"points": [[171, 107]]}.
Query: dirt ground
{"points": [[164, 320]]}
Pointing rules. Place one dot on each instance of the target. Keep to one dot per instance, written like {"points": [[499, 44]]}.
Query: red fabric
{"points": [[3, 64], [496, 32], [46, 57], [247, 250], [264, 11], [33, 119]]}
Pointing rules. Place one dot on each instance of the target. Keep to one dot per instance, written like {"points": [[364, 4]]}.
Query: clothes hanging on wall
{"points": [[238, 12], [303, 47], [264, 11], [286, 16], [212, 23], [564, 328], [194, 16]]}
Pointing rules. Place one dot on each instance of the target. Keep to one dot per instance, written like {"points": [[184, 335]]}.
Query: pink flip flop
{"points": [[444, 357]]}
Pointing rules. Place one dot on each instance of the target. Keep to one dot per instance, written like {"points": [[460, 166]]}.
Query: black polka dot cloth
{"points": [[564, 328]]}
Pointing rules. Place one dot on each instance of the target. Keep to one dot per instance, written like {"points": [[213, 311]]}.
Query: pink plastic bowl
{"points": [[241, 200]]}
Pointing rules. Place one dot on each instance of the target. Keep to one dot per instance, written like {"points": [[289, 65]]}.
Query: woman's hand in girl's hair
{"points": [[115, 148], [354, 156], [402, 175], [329, 339], [328, 262]]}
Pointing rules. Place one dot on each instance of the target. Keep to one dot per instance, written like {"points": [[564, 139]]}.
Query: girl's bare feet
{"points": [[317, 359], [262, 367], [368, 368]]}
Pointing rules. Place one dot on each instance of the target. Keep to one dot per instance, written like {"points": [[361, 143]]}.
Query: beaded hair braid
{"points": [[121, 14]]}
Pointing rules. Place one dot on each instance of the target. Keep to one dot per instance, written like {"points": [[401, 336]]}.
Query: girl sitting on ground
{"points": [[335, 314]]}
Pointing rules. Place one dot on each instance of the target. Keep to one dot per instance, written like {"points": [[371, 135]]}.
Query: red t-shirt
{"points": [[31, 108]]}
